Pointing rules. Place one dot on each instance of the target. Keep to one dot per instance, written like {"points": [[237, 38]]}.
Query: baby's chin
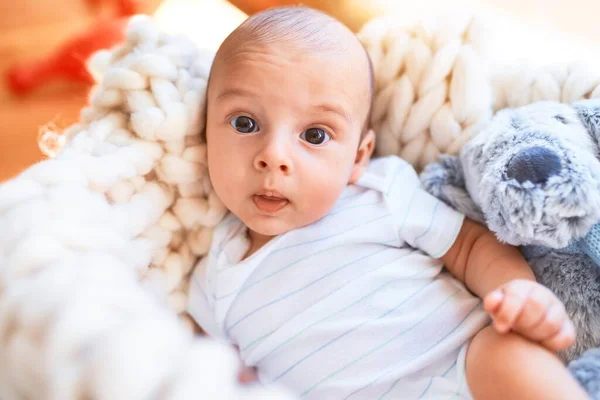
{"points": [[269, 227], [274, 226]]}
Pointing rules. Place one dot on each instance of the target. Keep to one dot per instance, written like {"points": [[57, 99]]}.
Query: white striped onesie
{"points": [[353, 306]]}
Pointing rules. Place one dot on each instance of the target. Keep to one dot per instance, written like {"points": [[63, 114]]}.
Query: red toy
{"points": [[124, 7], [68, 61]]}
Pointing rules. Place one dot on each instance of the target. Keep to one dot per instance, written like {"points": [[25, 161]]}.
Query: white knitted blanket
{"points": [[97, 243], [437, 84], [126, 199]]}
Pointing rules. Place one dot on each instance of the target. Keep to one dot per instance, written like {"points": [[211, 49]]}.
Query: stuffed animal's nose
{"points": [[534, 164]]}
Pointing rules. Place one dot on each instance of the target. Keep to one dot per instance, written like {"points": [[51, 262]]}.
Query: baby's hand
{"points": [[530, 309], [246, 374]]}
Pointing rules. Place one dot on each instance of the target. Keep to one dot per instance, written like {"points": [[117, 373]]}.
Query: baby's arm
{"points": [[499, 274]]}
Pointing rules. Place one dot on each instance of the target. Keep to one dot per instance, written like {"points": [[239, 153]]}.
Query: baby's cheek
{"points": [[222, 183], [322, 197]]}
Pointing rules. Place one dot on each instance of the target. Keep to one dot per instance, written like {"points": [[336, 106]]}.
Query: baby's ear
{"points": [[363, 155]]}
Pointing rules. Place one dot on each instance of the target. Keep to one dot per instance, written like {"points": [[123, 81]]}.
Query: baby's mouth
{"points": [[269, 202]]}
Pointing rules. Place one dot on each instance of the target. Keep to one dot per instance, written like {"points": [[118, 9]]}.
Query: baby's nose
{"points": [[534, 164], [274, 156], [263, 165]]}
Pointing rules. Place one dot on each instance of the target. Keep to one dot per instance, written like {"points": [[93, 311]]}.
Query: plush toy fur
{"points": [[533, 176]]}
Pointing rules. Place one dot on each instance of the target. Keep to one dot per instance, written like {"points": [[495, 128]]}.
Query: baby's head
{"points": [[288, 105]]}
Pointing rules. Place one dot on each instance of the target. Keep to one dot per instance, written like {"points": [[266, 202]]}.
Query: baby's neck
{"points": [[256, 242]]}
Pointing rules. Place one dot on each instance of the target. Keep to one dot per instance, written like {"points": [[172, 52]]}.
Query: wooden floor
{"points": [[30, 29]]}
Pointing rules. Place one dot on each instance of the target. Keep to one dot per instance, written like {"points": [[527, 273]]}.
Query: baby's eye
{"points": [[244, 124], [315, 136]]}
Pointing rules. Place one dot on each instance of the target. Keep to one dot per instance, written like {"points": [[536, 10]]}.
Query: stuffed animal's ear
{"points": [[589, 113], [445, 180]]}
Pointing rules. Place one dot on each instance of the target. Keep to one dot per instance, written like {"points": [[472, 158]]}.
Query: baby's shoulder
{"points": [[385, 172]]}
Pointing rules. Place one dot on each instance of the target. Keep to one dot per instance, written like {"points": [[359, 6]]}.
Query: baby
{"points": [[328, 272]]}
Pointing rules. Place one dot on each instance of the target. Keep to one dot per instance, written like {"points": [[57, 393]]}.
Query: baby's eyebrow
{"points": [[328, 107], [234, 92]]}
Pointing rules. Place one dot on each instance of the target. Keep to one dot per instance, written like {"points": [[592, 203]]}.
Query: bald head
{"points": [[302, 29]]}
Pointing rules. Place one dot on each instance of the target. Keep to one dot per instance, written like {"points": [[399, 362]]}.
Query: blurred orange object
{"points": [[353, 13], [124, 7], [68, 61]]}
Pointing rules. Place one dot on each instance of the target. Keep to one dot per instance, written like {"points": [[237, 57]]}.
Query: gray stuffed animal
{"points": [[533, 176]]}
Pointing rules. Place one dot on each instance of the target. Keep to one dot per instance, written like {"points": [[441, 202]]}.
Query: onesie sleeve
{"points": [[423, 221]]}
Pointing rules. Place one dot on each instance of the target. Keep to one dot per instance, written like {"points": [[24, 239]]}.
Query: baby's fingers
{"points": [[534, 311], [563, 339], [554, 331], [560, 332], [247, 375], [515, 295], [493, 301]]}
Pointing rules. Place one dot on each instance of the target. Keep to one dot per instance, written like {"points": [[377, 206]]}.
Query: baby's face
{"points": [[283, 128]]}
